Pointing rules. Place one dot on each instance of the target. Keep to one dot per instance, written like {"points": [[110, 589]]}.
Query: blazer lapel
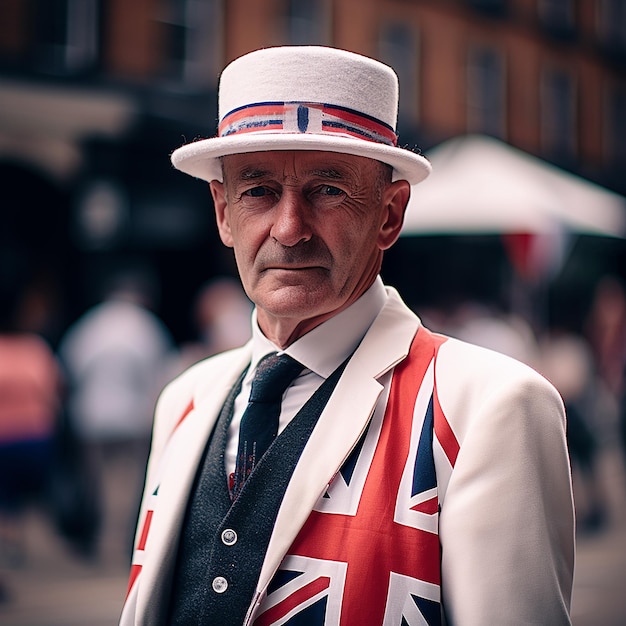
{"points": [[340, 425]]}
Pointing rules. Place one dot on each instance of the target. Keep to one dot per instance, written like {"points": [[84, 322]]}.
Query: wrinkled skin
{"points": [[308, 230]]}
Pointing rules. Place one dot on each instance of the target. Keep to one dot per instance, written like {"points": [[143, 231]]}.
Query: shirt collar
{"points": [[340, 335]]}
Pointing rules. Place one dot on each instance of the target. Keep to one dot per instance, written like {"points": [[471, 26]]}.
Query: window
{"points": [[309, 22], [494, 7], [557, 13], [558, 113], [558, 18], [193, 34], [612, 23], [68, 35], [486, 99], [398, 47], [615, 130]]}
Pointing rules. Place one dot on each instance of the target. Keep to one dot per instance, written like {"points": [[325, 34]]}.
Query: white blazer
{"points": [[507, 523]]}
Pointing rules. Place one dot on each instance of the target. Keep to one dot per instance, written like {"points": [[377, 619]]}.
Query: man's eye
{"points": [[257, 192], [329, 190]]}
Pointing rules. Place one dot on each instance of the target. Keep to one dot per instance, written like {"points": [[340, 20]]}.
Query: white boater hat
{"points": [[305, 98]]}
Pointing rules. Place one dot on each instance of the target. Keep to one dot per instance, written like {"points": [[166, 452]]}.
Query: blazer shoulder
{"points": [[472, 381], [180, 394], [472, 364]]}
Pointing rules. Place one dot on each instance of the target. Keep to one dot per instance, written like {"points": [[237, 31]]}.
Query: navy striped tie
{"points": [[259, 423]]}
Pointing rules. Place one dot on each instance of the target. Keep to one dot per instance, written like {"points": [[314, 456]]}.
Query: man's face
{"points": [[308, 230]]}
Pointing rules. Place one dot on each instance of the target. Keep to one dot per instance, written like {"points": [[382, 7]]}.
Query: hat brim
{"points": [[201, 158]]}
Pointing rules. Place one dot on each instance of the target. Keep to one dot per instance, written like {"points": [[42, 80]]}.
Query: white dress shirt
{"points": [[338, 337]]}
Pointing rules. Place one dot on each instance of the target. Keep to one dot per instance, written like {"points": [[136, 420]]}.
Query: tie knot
{"points": [[273, 375]]}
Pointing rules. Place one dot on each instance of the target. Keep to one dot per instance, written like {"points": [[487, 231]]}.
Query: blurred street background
{"points": [[113, 278]]}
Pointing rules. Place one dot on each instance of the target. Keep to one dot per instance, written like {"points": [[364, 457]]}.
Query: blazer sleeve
{"points": [[507, 516]]}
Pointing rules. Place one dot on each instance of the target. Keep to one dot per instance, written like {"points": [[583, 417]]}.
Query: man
{"points": [[415, 479]]}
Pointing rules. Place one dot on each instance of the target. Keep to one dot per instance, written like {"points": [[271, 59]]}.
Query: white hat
{"points": [[305, 98]]}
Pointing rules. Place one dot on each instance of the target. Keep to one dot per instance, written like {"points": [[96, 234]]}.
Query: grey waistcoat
{"points": [[223, 544]]}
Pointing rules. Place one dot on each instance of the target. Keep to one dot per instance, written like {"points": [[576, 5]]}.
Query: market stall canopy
{"points": [[481, 185]]}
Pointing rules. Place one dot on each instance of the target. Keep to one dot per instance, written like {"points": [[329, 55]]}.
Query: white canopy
{"points": [[484, 186]]}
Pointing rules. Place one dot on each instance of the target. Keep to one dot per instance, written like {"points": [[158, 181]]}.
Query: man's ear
{"points": [[221, 213], [395, 200]]}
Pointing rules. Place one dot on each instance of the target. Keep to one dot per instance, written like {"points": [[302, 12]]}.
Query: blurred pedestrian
{"points": [[221, 318], [30, 388], [606, 329], [490, 327], [567, 361], [115, 358]]}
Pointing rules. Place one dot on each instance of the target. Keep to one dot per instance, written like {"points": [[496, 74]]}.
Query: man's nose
{"points": [[291, 224]]}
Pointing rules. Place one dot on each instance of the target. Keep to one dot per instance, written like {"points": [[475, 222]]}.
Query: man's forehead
{"points": [[254, 165]]}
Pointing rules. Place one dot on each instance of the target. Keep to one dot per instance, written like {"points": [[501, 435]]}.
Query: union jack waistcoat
{"points": [[369, 552]]}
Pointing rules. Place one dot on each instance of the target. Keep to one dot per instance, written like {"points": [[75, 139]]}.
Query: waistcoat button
{"points": [[219, 584], [229, 537]]}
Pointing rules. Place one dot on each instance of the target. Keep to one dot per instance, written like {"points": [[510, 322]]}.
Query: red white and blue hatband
{"points": [[305, 98]]}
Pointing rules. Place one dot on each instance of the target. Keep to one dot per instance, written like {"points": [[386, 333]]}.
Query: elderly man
{"points": [[367, 471]]}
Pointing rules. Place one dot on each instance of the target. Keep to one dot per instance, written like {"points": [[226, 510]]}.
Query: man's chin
{"points": [[295, 301], [306, 277]]}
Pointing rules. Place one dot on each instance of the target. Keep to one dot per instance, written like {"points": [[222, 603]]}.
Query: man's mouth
{"points": [[295, 267]]}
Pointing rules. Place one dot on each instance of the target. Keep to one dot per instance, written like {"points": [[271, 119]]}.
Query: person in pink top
{"points": [[29, 407]]}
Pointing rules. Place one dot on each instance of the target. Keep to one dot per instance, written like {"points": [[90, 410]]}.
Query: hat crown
{"points": [[311, 74], [305, 98]]}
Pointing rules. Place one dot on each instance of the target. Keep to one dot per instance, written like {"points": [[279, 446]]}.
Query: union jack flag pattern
{"points": [[369, 553]]}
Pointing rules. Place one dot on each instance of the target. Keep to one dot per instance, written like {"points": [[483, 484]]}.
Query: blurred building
{"points": [[94, 95]]}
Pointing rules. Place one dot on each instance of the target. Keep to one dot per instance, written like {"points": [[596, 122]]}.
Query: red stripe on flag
{"points": [[444, 432], [184, 415], [144, 531], [429, 507], [135, 570], [280, 610]]}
